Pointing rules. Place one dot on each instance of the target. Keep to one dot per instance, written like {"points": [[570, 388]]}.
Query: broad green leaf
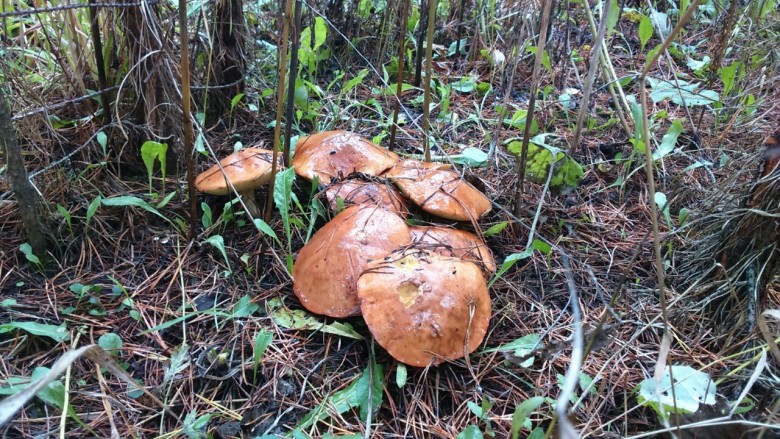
{"points": [[102, 140], [27, 250], [495, 229], [132, 201], [320, 32], [660, 201], [520, 347], [728, 75], [509, 262], [691, 388], [263, 227], [645, 31], [236, 99], [471, 432], [470, 156], [682, 216], [301, 320], [520, 419], [352, 83], [206, 219], [244, 307], [263, 339], [57, 333], [614, 14], [218, 242], [465, 85], [669, 140], [400, 375], [150, 151], [110, 342], [93, 207], [681, 92]]}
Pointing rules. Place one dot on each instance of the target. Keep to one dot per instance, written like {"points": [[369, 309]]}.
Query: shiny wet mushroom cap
{"points": [[456, 243], [247, 169], [425, 308], [338, 154], [440, 192], [326, 270], [366, 193]]}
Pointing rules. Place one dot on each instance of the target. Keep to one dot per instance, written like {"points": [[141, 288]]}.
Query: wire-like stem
{"points": [[428, 72], [399, 83], [291, 86], [532, 103], [184, 36]]}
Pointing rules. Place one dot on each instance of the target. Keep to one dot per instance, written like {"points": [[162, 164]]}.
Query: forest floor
{"points": [[189, 316]]}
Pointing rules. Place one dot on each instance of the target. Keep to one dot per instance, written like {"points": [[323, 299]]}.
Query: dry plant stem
{"points": [[269, 204], [99, 63], [296, 36], [399, 84], [428, 71], [592, 69], [418, 53], [185, 107], [532, 103], [720, 50], [27, 199], [460, 27]]}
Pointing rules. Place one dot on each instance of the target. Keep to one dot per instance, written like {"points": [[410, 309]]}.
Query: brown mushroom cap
{"points": [[337, 154], [247, 169], [370, 193], [327, 268], [447, 241], [423, 308], [439, 191]]}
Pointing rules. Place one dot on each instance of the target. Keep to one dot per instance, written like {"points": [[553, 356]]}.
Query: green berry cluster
{"points": [[567, 172]]}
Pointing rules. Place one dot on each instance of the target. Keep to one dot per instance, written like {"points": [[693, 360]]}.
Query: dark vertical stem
{"points": [[401, 59], [428, 77], [296, 35], [100, 63], [184, 37], [419, 53], [27, 199], [531, 104], [460, 26]]}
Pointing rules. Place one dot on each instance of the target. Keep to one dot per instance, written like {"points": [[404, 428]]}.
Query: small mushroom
{"points": [[338, 154], [327, 268], [370, 193], [247, 169], [425, 308], [447, 241], [441, 192]]}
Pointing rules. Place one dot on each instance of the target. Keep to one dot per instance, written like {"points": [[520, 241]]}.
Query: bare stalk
{"points": [[418, 54], [399, 84], [286, 24], [428, 70], [99, 62], [291, 86], [532, 103], [184, 37], [592, 69]]}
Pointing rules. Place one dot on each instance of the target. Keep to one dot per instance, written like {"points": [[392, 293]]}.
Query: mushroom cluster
{"points": [[421, 290]]}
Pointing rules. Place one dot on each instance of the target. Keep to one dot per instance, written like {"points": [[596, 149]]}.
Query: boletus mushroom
{"points": [[425, 308], [441, 192], [447, 241], [327, 268], [247, 169], [338, 154], [372, 193]]}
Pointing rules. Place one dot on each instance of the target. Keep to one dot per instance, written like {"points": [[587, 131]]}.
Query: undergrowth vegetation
{"points": [[623, 145]]}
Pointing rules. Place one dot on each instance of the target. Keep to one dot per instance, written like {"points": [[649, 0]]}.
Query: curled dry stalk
{"points": [[428, 77], [543, 26], [404, 13], [185, 107]]}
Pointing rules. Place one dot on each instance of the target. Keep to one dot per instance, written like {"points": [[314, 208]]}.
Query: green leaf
{"points": [[65, 214], [669, 140], [495, 229], [645, 30], [132, 201], [681, 92], [102, 140], [520, 347], [682, 216], [614, 15], [471, 432], [57, 333], [691, 388], [728, 75], [400, 375], [164, 202], [263, 227], [660, 201], [263, 339], [236, 99], [354, 396], [27, 250], [110, 341], [93, 207], [509, 262], [465, 85], [207, 218], [301, 320], [150, 151], [244, 307], [522, 412], [352, 83], [470, 157], [320, 32], [218, 242]]}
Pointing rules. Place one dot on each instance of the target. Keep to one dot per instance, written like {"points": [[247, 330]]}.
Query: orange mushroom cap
{"points": [[327, 268], [338, 154], [247, 169], [425, 308], [370, 193], [437, 191], [447, 241]]}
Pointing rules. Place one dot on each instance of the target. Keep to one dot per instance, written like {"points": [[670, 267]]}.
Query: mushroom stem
{"points": [[248, 196]]}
